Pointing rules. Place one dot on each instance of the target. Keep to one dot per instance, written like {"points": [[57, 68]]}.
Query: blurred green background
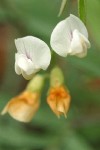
{"points": [[81, 129]]}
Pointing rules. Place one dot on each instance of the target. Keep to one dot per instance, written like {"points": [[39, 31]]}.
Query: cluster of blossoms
{"points": [[69, 37]]}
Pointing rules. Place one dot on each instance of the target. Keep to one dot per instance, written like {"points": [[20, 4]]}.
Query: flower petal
{"points": [[27, 76], [76, 23], [62, 35], [79, 44], [20, 46], [24, 63], [61, 38], [17, 69], [36, 50], [23, 107]]}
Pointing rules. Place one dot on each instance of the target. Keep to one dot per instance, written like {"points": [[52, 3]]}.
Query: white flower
{"points": [[32, 55], [70, 36]]}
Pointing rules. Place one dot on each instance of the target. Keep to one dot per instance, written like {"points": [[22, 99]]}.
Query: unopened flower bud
{"points": [[59, 100], [56, 77], [24, 106], [36, 83], [58, 96]]}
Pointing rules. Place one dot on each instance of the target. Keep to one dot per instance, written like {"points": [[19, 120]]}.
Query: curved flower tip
{"points": [[59, 100], [32, 55], [23, 107], [70, 36]]}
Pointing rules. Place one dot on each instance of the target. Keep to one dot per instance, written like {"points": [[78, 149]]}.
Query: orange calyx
{"points": [[23, 106], [58, 93], [28, 97], [59, 100]]}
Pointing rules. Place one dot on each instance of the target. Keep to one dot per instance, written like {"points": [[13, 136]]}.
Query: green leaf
{"points": [[89, 65], [82, 10], [73, 141], [63, 4]]}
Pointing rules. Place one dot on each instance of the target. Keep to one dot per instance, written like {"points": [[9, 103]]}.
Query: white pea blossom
{"points": [[32, 55], [70, 36]]}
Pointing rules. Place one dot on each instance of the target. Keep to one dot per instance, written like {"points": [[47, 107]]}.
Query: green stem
{"points": [[82, 10]]}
